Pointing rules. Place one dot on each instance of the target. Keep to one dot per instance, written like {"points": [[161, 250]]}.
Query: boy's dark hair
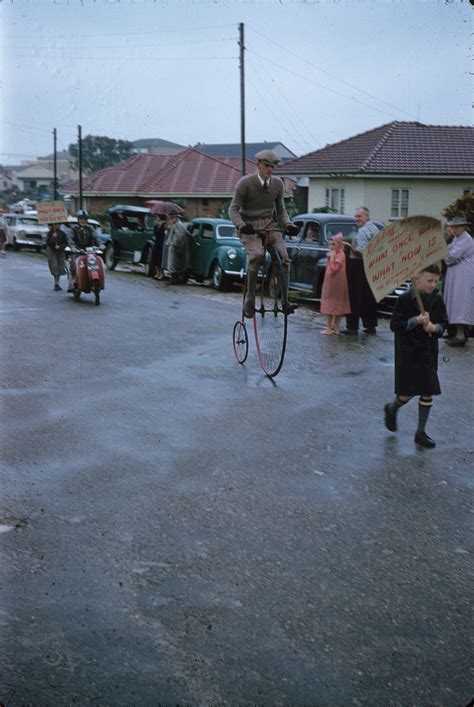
{"points": [[434, 269]]}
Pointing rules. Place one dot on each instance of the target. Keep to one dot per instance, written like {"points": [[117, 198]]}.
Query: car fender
{"points": [[146, 249]]}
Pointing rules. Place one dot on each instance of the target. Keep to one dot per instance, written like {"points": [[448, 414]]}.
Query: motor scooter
{"points": [[89, 275]]}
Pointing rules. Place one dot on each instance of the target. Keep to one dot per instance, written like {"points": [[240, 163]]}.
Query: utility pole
{"points": [[55, 165], [79, 139], [242, 99]]}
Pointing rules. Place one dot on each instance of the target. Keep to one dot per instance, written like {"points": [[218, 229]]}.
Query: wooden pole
{"points": [[242, 100], [55, 165], [79, 139]]}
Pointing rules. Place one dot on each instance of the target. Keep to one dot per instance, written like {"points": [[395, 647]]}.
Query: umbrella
{"points": [[163, 207]]}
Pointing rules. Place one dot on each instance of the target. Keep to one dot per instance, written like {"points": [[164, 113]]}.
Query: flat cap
{"points": [[267, 156]]}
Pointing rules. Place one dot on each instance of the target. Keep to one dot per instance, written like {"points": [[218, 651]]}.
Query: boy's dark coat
{"points": [[416, 353]]}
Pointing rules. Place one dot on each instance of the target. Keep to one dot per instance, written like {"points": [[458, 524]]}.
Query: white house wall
{"points": [[427, 196]]}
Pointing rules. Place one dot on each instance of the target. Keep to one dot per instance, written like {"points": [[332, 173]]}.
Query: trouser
{"points": [[254, 247], [362, 301]]}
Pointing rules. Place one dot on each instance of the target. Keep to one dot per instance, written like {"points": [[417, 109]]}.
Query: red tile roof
{"points": [[189, 172], [394, 148]]}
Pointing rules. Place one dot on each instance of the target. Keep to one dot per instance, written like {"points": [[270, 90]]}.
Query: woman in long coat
{"points": [[178, 250], [459, 280], [56, 242], [157, 250]]}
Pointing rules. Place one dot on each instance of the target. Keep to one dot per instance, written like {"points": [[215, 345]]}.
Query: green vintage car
{"points": [[216, 252], [215, 249], [131, 236]]}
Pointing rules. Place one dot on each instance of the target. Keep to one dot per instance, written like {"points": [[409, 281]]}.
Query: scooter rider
{"points": [[83, 236]]}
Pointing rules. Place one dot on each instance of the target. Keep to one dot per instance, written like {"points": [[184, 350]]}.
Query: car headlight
{"points": [[231, 254]]}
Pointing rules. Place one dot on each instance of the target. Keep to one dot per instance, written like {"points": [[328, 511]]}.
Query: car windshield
{"points": [[347, 229], [27, 221], [226, 232]]}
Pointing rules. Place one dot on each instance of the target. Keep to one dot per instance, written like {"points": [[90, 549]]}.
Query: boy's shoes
{"points": [[423, 440], [390, 418], [56, 288]]}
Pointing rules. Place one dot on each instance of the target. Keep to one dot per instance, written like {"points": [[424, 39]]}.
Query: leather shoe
{"points": [[455, 341], [350, 332], [370, 330], [289, 308], [390, 418], [249, 309], [423, 440]]}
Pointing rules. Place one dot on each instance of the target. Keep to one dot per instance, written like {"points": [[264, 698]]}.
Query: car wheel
{"points": [[109, 256], [218, 277], [149, 267], [15, 245], [38, 249]]}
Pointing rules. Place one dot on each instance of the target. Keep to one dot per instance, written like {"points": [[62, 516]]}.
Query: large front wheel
{"points": [[270, 322]]}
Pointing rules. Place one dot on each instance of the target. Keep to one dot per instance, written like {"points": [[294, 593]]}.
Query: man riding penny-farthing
{"points": [[257, 199]]}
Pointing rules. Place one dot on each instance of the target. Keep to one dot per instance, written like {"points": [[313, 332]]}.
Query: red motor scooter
{"points": [[89, 275]]}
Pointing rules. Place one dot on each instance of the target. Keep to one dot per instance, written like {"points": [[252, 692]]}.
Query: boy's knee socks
{"points": [[424, 407]]}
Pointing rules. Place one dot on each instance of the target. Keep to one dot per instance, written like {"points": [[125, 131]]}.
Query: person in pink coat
{"points": [[335, 292]]}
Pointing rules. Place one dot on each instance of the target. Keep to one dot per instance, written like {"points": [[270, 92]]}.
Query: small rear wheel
{"points": [[96, 289], [269, 321], [240, 341]]}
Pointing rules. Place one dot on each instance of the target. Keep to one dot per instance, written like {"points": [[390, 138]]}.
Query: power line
{"points": [[24, 35], [327, 88], [292, 111], [297, 135], [318, 68]]}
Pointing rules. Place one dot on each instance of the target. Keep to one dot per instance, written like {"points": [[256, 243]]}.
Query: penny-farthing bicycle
{"points": [[270, 321]]}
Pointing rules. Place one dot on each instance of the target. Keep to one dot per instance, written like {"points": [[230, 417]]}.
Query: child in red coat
{"points": [[335, 292]]}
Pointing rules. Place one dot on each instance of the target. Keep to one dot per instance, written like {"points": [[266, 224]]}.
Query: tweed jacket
{"points": [[253, 204]]}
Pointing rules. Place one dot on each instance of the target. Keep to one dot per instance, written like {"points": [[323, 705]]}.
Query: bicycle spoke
{"points": [[270, 324]]}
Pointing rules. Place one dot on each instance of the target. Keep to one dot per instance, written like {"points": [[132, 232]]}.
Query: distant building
{"points": [[35, 177], [396, 170], [205, 184], [156, 146], [251, 148]]}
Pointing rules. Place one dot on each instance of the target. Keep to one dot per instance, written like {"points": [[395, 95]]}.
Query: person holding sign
{"points": [[416, 350], [56, 242], [363, 304]]}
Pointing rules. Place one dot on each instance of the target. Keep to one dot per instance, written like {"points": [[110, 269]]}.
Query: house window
{"points": [[466, 192], [399, 205], [205, 202], [335, 199]]}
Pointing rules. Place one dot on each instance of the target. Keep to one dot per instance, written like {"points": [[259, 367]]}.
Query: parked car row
{"points": [[216, 252]]}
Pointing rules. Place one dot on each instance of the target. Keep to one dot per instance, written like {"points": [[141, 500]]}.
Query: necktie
{"points": [[265, 185]]}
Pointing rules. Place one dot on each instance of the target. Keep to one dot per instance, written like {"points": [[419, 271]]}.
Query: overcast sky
{"points": [[316, 72]]}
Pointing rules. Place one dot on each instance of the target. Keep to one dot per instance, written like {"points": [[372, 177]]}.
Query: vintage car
{"points": [[131, 238], [216, 252], [24, 231], [308, 250]]}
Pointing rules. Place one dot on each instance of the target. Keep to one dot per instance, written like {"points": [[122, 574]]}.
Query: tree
{"points": [[99, 152], [464, 205]]}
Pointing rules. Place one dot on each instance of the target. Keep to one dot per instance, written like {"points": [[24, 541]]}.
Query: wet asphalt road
{"points": [[177, 528]]}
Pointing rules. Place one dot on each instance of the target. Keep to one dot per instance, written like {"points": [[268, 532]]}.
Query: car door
{"points": [[292, 244], [312, 252], [203, 248]]}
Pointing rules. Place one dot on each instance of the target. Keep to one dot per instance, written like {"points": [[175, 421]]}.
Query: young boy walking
{"points": [[416, 351]]}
